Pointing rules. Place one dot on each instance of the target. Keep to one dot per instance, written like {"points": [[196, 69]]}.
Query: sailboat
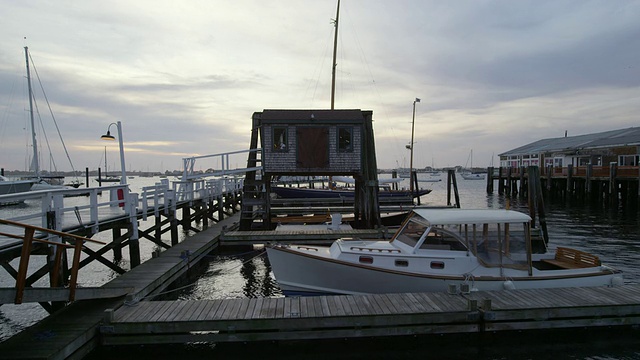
{"points": [[469, 174], [107, 178], [40, 182]]}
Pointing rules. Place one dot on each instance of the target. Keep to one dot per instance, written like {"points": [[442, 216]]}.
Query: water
{"points": [[612, 234]]}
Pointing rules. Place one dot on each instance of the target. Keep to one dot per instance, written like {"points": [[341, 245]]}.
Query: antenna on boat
{"points": [[334, 64]]}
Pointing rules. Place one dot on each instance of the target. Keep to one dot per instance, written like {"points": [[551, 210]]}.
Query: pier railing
{"points": [[58, 250], [218, 165], [58, 213]]}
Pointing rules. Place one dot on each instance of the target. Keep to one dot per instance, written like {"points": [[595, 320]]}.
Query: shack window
{"points": [[345, 139], [280, 138]]}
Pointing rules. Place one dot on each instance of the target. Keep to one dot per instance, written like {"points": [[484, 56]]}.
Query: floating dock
{"points": [[377, 315]]}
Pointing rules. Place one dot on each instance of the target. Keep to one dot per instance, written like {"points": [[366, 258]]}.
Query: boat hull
{"points": [[315, 274], [306, 193], [12, 187], [473, 176]]}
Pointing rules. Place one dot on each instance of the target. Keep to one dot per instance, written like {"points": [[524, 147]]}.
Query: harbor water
{"points": [[612, 234]]}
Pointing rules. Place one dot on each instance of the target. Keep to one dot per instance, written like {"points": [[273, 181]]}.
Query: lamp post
{"points": [[108, 136], [413, 124]]}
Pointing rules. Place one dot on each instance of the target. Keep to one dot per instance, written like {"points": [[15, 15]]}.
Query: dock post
{"points": [[569, 179], [134, 242], [490, 180], [117, 249], [205, 217], [507, 189], [158, 228], [523, 187], [186, 217], [613, 185], [588, 180], [500, 182]]}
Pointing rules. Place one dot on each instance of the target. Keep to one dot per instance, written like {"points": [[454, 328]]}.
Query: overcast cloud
{"points": [[185, 77]]}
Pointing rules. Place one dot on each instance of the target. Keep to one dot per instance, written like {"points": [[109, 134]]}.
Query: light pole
{"points": [[108, 136], [413, 125]]}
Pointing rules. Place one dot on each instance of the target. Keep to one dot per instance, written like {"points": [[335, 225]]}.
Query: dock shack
{"points": [[311, 143]]}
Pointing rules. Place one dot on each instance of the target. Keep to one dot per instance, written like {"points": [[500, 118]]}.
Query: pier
{"points": [[607, 185]]}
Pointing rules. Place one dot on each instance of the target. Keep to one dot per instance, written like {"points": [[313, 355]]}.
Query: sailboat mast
{"points": [[334, 64], [413, 124], [35, 163]]}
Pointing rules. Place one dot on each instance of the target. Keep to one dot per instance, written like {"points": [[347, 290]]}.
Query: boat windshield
{"points": [[411, 231], [444, 238]]}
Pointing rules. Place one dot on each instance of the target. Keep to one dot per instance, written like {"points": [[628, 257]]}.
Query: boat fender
{"points": [[617, 281], [509, 285]]}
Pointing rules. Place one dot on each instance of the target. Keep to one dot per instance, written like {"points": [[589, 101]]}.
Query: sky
{"points": [[185, 77]]}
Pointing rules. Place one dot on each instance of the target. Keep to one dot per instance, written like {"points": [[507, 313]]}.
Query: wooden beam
{"points": [[7, 295]]}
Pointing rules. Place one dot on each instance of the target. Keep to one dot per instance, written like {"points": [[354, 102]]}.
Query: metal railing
{"points": [[219, 165]]}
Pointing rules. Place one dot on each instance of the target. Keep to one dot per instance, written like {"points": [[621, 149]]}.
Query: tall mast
{"points": [[334, 64], [35, 163], [413, 123]]}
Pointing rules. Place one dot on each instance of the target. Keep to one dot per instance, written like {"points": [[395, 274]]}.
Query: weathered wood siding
{"points": [[277, 161]]}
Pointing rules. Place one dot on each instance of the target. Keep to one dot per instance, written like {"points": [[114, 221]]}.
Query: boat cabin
{"points": [[495, 237]]}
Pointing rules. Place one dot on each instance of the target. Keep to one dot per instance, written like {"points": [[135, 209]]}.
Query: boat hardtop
{"points": [[470, 216]]}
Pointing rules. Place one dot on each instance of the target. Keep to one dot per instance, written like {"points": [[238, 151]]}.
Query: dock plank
{"points": [[166, 305], [220, 311], [250, 309], [257, 308], [207, 314], [173, 311], [427, 301], [186, 311], [195, 313]]}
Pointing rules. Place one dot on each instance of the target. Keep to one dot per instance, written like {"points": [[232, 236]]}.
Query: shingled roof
{"points": [[318, 115]]}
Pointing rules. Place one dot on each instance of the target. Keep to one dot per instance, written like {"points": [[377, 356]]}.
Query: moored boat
{"points": [[309, 193], [439, 250], [8, 186]]}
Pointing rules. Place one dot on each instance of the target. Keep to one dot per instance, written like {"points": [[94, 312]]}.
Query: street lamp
{"points": [[108, 136], [413, 125]]}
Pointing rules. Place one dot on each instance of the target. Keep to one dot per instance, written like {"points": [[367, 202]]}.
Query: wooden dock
{"points": [[379, 315]]}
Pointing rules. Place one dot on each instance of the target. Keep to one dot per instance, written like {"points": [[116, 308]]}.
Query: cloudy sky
{"points": [[185, 77]]}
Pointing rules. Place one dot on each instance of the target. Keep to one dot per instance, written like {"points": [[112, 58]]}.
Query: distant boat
{"points": [[13, 186], [469, 174], [38, 181], [107, 178]]}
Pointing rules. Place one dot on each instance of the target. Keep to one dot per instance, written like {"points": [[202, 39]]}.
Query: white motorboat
{"points": [[473, 176], [439, 250]]}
